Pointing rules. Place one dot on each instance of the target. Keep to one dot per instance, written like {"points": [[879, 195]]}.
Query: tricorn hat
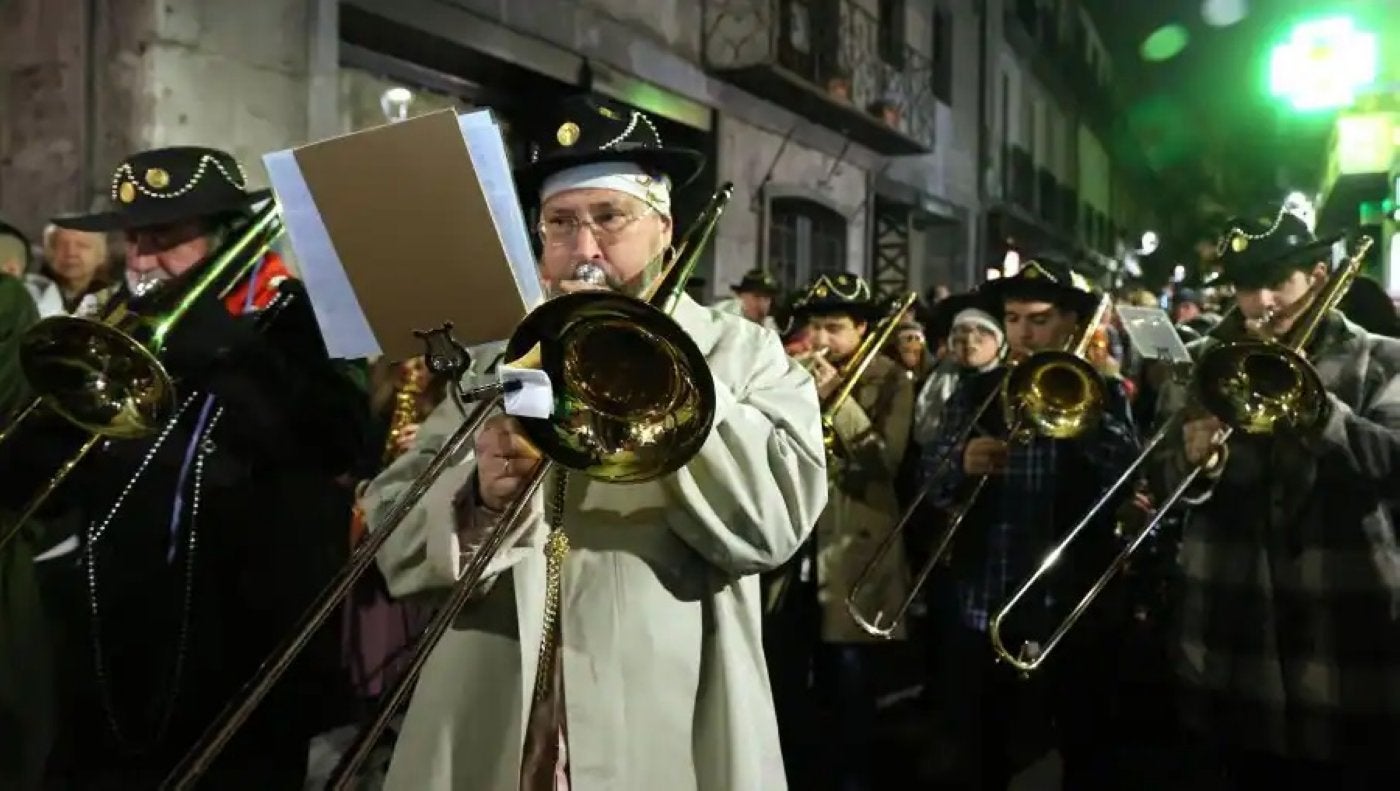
{"points": [[169, 185], [1260, 253], [757, 281], [584, 129], [1047, 278], [843, 293]]}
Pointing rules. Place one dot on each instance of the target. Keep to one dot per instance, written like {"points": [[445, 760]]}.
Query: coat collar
{"points": [[699, 322]]}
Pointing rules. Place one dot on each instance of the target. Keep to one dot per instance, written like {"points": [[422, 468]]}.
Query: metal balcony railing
{"points": [[836, 48]]}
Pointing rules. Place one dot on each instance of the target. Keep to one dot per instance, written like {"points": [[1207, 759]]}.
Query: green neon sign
{"points": [[1323, 65]]}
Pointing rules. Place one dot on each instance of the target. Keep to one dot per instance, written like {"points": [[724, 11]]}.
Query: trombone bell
{"points": [[98, 376], [1054, 394], [1258, 387], [634, 397]]}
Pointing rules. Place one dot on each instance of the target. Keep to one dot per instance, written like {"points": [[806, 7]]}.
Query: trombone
{"points": [[1256, 386], [1056, 394], [634, 401], [104, 374]]}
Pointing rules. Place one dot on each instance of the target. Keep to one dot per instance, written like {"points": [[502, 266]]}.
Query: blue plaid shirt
{"points": [[1025, 522]]}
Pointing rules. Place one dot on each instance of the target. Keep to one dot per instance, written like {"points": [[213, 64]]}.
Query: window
{"points": [[891, 38], [941, 72], [805, 240]]}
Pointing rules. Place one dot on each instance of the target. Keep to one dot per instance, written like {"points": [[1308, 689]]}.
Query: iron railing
{"points": [[836, 47]]}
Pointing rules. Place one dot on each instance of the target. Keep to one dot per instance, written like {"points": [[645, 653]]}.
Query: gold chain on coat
{"points": [[555, 548]]}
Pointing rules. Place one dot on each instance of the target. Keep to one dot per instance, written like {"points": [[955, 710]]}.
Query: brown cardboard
{"points": [[410, 224]]}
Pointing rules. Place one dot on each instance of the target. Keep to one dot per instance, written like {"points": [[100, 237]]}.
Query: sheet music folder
{"points": [[1152, 334], [404, 227]]}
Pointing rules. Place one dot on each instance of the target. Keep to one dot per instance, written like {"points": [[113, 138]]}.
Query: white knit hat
{"points": [[979, 318]]}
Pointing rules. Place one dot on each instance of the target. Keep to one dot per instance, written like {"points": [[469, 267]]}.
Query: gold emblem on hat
{"points": [[567, 134], [157, 178], [126, 193], [607, 112], [1238, 242]]}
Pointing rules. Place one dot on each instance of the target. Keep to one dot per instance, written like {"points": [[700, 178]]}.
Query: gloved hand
{"points": [[205, 336]]}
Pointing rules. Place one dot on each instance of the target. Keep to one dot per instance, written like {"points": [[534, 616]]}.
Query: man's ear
{"points": [[860, 326]]}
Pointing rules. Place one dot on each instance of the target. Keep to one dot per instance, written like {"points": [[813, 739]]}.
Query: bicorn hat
{"points": [[170, 185], [585, 129]]}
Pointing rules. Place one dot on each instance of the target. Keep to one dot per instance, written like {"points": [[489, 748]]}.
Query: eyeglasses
{"points": [[606, 223]]}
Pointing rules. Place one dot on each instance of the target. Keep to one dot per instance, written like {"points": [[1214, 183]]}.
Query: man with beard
{"points": [[202, 541], [616, 643]]}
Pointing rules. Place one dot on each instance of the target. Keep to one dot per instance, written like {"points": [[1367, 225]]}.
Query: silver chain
{"points": [[97, 530]]}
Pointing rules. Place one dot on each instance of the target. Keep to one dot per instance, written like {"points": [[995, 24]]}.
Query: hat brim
{"points": [[997, 292], [162, 213], [680, 165], [751, 288], [1268, 271]]}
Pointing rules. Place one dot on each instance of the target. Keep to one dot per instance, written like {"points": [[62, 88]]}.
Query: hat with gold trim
{"points": [[169, 185], [1044, 278], [584, 129], [842, 293], [1259, 253]]}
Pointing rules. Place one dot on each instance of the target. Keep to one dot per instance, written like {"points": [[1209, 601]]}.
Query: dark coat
{"points": [[177, 618]]}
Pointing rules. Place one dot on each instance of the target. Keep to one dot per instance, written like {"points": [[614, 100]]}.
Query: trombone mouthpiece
{"points": [[591, 274]]}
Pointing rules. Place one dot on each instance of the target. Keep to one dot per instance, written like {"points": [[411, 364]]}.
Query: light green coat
{"points": [[664, 676]]}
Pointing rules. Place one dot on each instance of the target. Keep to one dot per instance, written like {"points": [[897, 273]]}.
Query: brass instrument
{"points": [[634, 401], [1052, 393], [1258, 385], [855, 368], [413, 379], [104, 374]]}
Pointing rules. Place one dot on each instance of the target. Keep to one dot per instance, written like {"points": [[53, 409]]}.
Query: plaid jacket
{"points": [[1288, 634], [1046, 487]]}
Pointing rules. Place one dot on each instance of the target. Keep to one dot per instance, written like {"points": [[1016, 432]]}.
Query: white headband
{"points": [[978, 318], [625, 177]]}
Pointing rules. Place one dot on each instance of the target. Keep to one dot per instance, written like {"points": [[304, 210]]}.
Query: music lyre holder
{"points": [[445, 356]]}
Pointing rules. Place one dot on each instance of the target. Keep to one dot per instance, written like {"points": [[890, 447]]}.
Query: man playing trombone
{"points": [[616, 643], [201, 540], [871, 430], [1288, 642], [1033, 488]]}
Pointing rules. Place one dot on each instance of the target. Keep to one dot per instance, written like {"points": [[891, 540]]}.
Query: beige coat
{"points": [[664, 676], [873, 426]]}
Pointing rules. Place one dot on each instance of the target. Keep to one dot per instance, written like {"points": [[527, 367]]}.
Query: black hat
{"points": [[1044, 278], [1260, 253], [169, 185], [583, 129], [757, 281], [943, 312], [843, 293]]}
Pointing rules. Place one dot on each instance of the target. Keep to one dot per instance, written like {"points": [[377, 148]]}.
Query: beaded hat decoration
{"points": [[169, 185], [1260, 253], [582, 130], [841, 293]]}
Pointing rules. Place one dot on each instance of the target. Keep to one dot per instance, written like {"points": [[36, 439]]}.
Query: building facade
{"points": [[909, 141]]}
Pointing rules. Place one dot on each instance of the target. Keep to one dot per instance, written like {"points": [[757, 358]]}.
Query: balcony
{"points": [[826, 61]]}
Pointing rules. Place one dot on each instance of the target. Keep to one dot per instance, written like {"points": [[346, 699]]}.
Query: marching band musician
{"points": [[202, 541], [655, 676], [1036, 490], [872, 430], [1288, 644]]}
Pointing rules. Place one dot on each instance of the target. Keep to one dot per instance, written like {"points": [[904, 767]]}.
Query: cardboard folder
{"points": [[405, 227]]}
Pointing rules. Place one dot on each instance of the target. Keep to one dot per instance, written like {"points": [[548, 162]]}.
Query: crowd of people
{"points": [[760, 616]]}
